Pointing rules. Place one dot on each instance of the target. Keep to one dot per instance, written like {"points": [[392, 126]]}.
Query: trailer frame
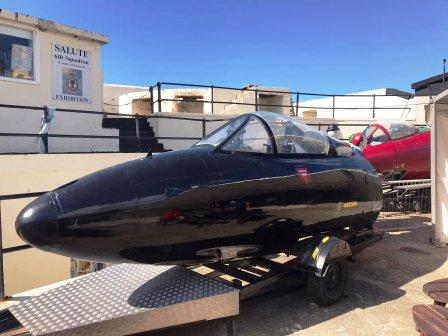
{"points": [[248, 277]]}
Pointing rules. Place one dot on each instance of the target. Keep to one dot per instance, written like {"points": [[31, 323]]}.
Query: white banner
{"points": [[71, 73]]}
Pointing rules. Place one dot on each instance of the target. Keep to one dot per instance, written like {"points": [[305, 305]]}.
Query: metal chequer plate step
{"points": [[126, 299]]}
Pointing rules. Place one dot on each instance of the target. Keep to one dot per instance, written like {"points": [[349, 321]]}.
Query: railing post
{"points": [[203, 128], [212, 102], [256, 100], [2, 274], [297, 104], [45, 140], [334, 102], [137, 130], [373, 107], [159, 97], [151, 99]]}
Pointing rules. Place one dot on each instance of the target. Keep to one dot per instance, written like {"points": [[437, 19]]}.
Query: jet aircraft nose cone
{"points": [[37, 222]]}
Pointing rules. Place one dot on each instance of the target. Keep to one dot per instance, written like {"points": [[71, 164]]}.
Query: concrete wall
{"points": [[112, 94], [39, 93], [421, 110], [233, 101], [28, 121], [32, 173]]}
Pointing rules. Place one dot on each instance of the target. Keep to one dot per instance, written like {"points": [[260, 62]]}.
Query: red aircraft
{"points": [[397, 149]]}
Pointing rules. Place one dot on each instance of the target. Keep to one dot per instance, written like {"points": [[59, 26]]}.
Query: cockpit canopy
{"points": [[267, 133]]}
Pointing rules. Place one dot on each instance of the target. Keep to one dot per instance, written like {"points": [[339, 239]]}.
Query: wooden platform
{"points": [[431, 320], [438, 291]]}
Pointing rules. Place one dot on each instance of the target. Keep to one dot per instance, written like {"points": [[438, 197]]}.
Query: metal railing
{"points": [[296, 97], [138, 137], [406, 205], [156, 99], [407, 196]]}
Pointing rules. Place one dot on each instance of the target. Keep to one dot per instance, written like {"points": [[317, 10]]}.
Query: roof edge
{"points": [[47, 25], [427, 81]]}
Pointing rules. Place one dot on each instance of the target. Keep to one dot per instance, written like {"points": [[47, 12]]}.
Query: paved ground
{"points": [[385, 282]]}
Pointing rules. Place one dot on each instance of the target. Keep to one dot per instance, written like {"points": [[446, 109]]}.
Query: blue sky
{"points": [[314, 46]]}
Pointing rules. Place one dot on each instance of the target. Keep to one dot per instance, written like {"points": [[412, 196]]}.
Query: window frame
{"points": [[385, 132], [293, 155], [36, 59], [267, 129], [383, 129], [271, 137], [246, 117]]}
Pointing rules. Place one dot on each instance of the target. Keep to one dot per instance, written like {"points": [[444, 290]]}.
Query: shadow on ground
{"points": [[385, 281]]}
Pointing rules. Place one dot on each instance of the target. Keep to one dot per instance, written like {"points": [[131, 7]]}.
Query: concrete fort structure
{"points": [[47, 63], [195, 102], [125, 99], [190, 102]]}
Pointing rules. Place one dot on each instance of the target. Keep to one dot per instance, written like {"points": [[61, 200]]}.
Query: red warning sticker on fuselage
{"points": [[304, 174]]}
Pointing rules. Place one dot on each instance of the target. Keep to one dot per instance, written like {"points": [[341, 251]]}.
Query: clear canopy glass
{"points": [[249, 134]]}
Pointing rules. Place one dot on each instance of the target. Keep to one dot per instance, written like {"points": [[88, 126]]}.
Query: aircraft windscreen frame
{"points": [[285, 137]]}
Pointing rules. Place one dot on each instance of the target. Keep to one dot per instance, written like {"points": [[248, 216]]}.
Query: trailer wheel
{"points": [[328, 289]]}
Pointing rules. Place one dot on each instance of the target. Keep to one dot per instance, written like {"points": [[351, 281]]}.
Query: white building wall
{"points": [[39, 93], [361, 108]]}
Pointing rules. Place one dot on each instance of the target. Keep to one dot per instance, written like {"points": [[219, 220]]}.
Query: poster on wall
{"points": [[71, 74], [21, 57]]}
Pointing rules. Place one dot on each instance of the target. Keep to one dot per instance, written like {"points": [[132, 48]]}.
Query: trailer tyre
{"points": [[328, 289]]}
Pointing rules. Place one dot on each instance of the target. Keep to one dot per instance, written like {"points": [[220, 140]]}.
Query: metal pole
{"points": [[203, 128], [334, 101], [137, 130], [151, 99], [2, 274], [256, 100], [444, 72], [159, 101], [373, 107], [297, 104], [45, 135], [319, 126], [45, 141], [211, 88]]}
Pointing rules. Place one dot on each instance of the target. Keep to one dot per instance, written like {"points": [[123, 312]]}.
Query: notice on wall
{"points": [[71, 73], [21, 57]]}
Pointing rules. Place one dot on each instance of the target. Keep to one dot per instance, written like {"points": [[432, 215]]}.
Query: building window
{"points": [[16, 53]]}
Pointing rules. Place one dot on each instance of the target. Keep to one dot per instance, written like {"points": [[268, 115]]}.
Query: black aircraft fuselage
{"points": [[202, 204]]}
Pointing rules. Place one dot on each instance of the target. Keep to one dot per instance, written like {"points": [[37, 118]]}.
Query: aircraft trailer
{"points": [[129, 298]]}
